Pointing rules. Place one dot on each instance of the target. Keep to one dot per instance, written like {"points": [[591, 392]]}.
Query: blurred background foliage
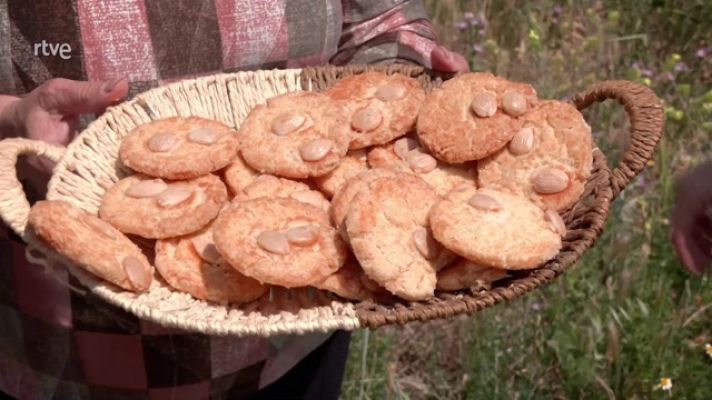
{"points": [[627, 314]]}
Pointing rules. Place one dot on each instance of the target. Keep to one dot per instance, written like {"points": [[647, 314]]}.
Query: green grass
{"points": [[627, 314]]}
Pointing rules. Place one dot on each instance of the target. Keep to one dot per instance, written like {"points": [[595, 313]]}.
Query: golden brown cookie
{"points": [[387, 226], [157, 209], [496, 228], [272, 187], [472, 116], [549, 159], [238, 175], [380, 107], [465, 274], [350, 282], [353, 164], [279, 241], [179, 147], [92, 244], [343, 199], [295, 135], [405, 154], [192, 264]]}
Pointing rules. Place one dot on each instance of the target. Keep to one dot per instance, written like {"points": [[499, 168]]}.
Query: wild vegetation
{"points": [[627, 315]]}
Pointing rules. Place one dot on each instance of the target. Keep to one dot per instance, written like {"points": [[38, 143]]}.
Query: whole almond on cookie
{"points": [[295, 135], [162, 210], [92, 244], [473, 116], [380, 107], [390, 237], [280, 241], [513, 234], [179, 147], [192, 264], [548, 160], [406, 155]]}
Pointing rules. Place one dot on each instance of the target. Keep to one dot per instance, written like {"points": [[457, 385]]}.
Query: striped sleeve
{"points": [[377, 31]]}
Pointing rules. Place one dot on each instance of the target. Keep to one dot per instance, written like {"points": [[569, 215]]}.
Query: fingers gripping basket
{"points": [[89, 166]]}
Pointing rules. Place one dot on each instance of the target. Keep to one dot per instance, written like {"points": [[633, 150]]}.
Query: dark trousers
{"points": [[318, 376]]}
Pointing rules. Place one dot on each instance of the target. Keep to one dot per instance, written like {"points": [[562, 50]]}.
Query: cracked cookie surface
{"points": [[495, 228], [387, 226]]}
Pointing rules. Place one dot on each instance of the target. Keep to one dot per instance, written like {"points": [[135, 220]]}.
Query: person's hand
{"points": [[692, 219], [51, 112], [444, 60]]}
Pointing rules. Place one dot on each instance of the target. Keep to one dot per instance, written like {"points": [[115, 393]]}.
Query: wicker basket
{"points": [[89, 165]]}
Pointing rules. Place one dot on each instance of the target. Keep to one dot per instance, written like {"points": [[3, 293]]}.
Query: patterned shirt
{"points": [[58, 343]]}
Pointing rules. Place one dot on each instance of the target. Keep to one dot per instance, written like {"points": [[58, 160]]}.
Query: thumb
{"points": [[70, 97], [444, 60]]}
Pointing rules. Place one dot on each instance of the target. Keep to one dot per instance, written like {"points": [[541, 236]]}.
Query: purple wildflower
{"points": [[667, 76], [636, 65], [646, 72], [477, 48], [557, 9], [479, 21], [680, 67], [702, 52], [461, 25], [469, 16], [641, 182], [536, 306]]}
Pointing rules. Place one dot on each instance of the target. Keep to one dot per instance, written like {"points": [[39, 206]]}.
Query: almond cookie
{"points": [[343, 199], [295, 135], [549, 159], [465, 274], [271, 186], [472, 116], [92, 244], [350, 282], [380, 107], [179, 147], [279, 241], [496, 228], [192, 264], [238, 175], [353, 164], [406, 155], [157, 209], [387, 226]]}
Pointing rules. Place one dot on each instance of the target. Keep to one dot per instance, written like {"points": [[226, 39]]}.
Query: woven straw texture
{"points": [[89, 166]]}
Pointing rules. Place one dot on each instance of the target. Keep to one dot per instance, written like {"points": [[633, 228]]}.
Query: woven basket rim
{"points": [[585, 220]]}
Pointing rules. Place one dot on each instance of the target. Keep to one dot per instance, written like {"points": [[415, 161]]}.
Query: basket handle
{"points": [[646, 116], [14, 207]]}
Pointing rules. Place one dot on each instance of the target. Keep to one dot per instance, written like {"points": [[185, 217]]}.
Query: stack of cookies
{"points": [[370, 190]]}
